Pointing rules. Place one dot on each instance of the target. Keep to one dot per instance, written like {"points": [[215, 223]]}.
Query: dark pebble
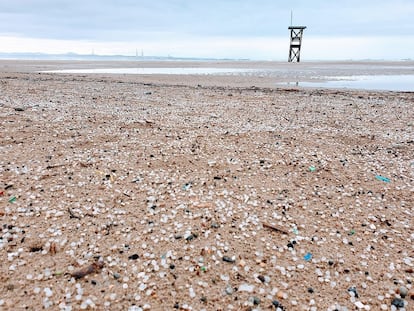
{"points": [[215, 225], [228, 259], [18, 109], [290, 245], [311, 290], [261, 278], [93, 282], [256, 301], [353, 290], [133, 257], [176, 306], [172, 266], [397, 302], [191, 237], [277, 304], [203, 299]]}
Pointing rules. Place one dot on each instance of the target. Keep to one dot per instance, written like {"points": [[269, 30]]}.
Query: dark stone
{"points": [[277, 304], [190, 237], [215, 225], [397, 302], [35, 249], [353, 290], [133, 257], [311, 290], [228, 259], [261, 278], [172, 266]]}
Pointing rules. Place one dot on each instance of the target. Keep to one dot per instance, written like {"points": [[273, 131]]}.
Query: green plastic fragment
{"points": [[12, 199]]}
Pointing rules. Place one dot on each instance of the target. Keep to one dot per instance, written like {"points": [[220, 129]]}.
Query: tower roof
{"points": [[297, 27]]}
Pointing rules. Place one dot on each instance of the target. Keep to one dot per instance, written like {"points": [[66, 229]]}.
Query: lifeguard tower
{"points": [[296, 34]]}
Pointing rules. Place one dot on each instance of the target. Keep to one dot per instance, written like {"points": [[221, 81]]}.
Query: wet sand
{"points": [[202, 192]]}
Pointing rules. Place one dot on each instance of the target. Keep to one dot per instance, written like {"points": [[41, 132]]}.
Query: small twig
{"points": [[275, 228], [72, 215], [54, 166]]}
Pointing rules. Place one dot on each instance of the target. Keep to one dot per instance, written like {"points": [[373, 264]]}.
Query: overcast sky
{"points": [[255, 29]]}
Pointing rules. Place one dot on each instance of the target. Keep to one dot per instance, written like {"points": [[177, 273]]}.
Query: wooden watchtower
{"points": [[296, 34]]}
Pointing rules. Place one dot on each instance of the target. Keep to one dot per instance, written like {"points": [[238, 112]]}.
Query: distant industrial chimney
{"points": [[296, 34]]}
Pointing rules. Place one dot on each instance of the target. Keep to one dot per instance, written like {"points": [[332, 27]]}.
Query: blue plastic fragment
{"points": [[382, 178], [308, 256]]}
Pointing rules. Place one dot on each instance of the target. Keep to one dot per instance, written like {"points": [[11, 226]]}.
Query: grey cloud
{"points": [[128, 20]]}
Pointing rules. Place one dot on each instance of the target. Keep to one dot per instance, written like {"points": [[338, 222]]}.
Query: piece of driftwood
{"points": [[92, 268]]}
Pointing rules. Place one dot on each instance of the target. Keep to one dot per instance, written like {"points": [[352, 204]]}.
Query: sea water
{"points": [[366, 82]]}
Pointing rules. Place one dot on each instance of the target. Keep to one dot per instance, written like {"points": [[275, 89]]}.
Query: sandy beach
{"points": [[201, 192]]}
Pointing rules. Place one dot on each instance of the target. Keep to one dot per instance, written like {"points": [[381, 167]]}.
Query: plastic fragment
{"points": [[382, 178], [12, 199], [307, 257], [186, 186]]}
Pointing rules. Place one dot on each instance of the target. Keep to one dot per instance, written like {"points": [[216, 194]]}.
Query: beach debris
{"points": [[186, 186], [307, 257], [275, 228], [398, 303], [403, 291], [92, 268], [12, 199], [254, 300], [229, 290], [353, 292], [133, 257], [278, 305], [410, 294], [49, 167], [19, 109], [312, 168], [382, 178], [246, 288], [228, 259], [72, 214], [53, 248]]}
